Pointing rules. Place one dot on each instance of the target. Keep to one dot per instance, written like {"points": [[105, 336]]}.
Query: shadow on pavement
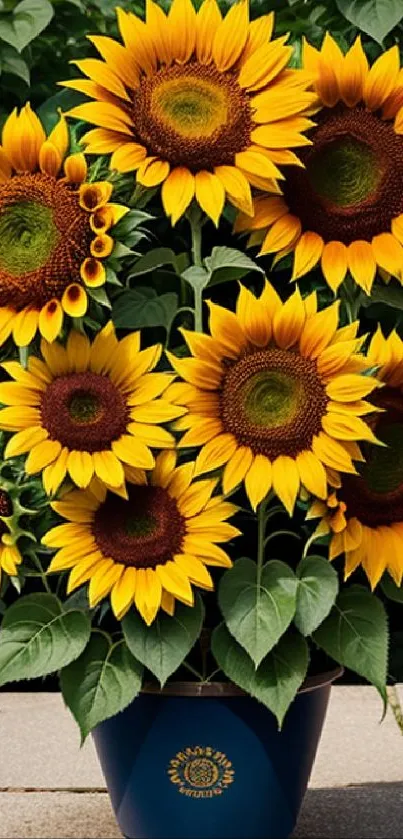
{"points": [[367, 811]]}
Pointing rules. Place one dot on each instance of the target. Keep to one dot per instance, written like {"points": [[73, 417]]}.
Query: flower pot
{"points": [[206, 761]]}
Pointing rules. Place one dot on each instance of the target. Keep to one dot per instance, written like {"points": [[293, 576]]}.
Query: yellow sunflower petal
{"points": [[51, 320], [307, 253], [382, 78], [236, 468], [103, 580], [182, 28], [286, 481], [108, 468], [231, 35], [281, 234], [25, 326], [41, 455], [50, 160], [288, 322], [210, 193], [350, 387], [334, 263], [258, 480], [353, 74], [25, 440], [332, 453], [347, 427], [75, 301], [388, 253], [175, 581], [319, 330], [236, 186], [254, 318], [177, 192], [208, 21], [226, 330], [215, 453], [132, 451], [362, 265], [312, 474], [80, 467], [195, 570], [122, 595]]}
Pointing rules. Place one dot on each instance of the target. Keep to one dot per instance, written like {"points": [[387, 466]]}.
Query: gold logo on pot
{"points": [[201, 772]]}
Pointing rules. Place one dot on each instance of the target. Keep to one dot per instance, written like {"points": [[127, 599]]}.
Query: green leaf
{"points": [[28, 19], [100, 296], [375, 17], [227, 264], [317, 591], [38, 637], [277, 679], [164, 645], [137, 308], [131, 221], [390, 295], [356, 635], [257, 613], [196, 276], [101, 682], [392, 591], [11, 62], [152, 260], [48, 112]]}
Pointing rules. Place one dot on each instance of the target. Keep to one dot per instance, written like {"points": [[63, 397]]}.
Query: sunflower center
{"points": [[143, 531], [273, 401], [192, 116], [84, 407], [28, 235], [271, 398], [352, 186], [44, 238], [84, 411], [376, 497], [345, 172]]}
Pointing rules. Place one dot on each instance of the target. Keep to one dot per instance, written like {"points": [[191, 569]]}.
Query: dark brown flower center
{"points": [[352, 186], [144, 531], [273, 401], [44, 237], [376, 497], [84, 411], [192, 116]]}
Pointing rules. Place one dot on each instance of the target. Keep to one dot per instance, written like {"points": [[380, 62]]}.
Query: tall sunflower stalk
{"points": [[217, 482]]}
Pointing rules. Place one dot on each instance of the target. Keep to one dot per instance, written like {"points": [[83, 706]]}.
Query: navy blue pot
{"points": [[207, 761]]}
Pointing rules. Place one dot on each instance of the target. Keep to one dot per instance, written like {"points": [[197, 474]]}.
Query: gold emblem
{"points": [[201, 772]]}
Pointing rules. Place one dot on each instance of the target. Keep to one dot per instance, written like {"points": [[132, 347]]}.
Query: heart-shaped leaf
{"points": [[317, 592], [101, 682], [276, 681], [258, 610], [163, 646]]}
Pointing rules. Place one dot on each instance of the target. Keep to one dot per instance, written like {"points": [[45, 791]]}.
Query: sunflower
{"points": [[365, 514], [87, 409], [10, 557], [54, 229], [275, 395], [202, 104], [345, 208], [146, 548]]}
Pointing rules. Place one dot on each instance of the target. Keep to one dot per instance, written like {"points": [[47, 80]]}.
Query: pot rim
{"points": [[228, 689]]}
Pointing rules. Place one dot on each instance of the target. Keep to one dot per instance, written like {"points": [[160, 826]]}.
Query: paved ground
{"points": [[50, 789]]}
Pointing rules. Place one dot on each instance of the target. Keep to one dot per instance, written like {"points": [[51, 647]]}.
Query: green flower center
{"points": [[28, 236], [272, 398], [273, 401], [140, 525], [192, 107], [345, 172], [84, 407]]}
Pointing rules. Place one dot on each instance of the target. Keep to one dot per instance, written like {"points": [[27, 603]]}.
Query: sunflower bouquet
{"points": [[201, 458]]}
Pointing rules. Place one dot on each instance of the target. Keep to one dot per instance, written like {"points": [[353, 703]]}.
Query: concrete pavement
{"points": [[50, 789]]}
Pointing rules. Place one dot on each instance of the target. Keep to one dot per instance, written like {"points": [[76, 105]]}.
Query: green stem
{"points": [[42, 574], [261, 529], [196, 232], [23, 353], [193, 670]]}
